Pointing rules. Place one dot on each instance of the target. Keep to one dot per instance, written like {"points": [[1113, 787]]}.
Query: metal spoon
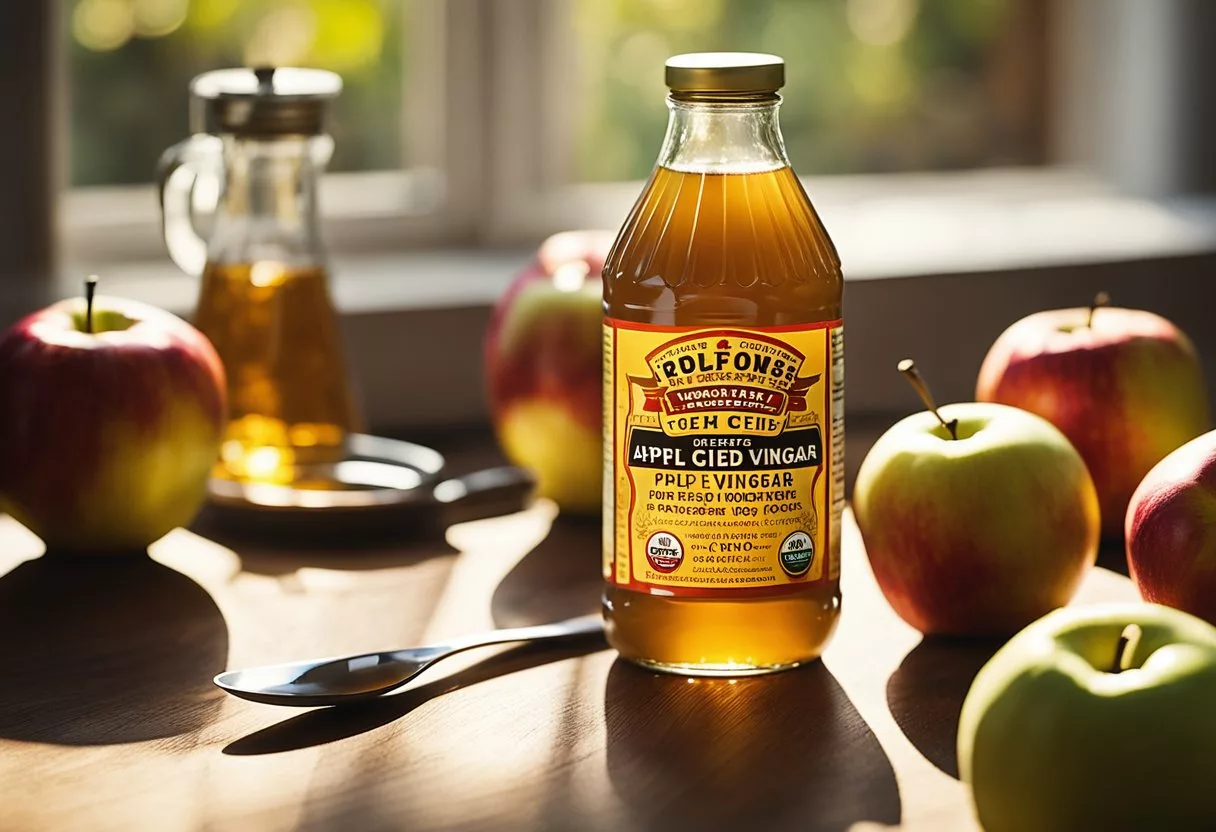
{"points": [[341, 680]]}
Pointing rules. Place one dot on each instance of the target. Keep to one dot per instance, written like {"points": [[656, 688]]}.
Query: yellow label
{"points": [[723, 452]]}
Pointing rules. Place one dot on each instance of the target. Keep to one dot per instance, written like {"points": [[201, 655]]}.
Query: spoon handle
{"points": [[587, 625]]}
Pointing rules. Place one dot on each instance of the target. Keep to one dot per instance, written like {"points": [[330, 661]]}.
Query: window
{"points": [[576, 92], [509, 107], [128, 65], [132, 60], [487, 122], [872, 85]]}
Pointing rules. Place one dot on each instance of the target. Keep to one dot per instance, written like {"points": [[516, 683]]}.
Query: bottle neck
{"points": [[723, 135], [268, 200]]}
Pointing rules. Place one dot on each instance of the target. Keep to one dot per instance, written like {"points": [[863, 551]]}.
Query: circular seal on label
{"points": [[797, 554], [664, 551]]}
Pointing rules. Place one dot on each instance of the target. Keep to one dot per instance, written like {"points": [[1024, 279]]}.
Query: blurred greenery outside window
{"points": [[872, 85], [131, 62]]}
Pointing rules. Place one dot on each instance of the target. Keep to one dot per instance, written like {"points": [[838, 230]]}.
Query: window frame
{"points": [[32, 80], [490, 124], [491, 127]]}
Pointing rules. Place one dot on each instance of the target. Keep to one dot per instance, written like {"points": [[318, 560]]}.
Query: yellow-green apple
{"points": [[110, 423], [1095, 717], [543, 367], [1171, 530], [1124, 385], [977, 518]]}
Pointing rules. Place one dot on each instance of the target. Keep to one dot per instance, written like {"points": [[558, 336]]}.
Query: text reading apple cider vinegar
{"points": [[723, 393], [722, 468]]}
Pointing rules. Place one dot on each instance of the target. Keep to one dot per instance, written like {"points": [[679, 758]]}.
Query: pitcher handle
{"points": [[179, 174]]}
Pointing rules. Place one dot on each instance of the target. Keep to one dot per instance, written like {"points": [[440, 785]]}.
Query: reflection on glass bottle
{"points": [[264, 300]]}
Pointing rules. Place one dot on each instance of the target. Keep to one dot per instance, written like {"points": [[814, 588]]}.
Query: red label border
{"points": [[739, 592], [618, 323]]}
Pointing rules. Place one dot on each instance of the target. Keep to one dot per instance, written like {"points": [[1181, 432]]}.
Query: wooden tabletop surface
{"points": [[108, 719]]}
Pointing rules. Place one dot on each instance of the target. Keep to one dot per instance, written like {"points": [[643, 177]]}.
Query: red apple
{"points": [[1124, 385], [543, 367], [1171, 530], [111, 421]]}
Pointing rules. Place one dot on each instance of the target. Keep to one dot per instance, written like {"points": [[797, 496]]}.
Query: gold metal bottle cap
{"points": [[725, 72]]}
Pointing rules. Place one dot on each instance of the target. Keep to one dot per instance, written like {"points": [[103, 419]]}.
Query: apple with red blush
{"points": [[111, 422], [977, 518], [1171, 530], [544, 365], [1124, 385]]}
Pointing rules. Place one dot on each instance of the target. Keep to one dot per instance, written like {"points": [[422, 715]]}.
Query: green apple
{"points": [[980, 532], [1095, 718]]}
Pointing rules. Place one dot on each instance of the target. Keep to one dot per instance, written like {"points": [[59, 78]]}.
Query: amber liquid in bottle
{"points": [[276, 331], [725, 237]]}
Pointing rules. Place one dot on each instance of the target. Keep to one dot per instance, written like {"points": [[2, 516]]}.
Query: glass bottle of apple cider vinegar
{"points": [[723, 392]]}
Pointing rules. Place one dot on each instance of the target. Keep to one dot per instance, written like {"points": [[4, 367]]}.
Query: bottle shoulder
{"points": [[733, 239]]}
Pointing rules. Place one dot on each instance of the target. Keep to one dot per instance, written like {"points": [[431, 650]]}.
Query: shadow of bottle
{"points": [[560, 578], [926, 693], [107, 650], [787, 751]]}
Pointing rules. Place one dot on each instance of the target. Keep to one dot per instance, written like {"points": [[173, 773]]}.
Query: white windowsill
{"points": [[884, 227], [361, 283], [903, 225]]}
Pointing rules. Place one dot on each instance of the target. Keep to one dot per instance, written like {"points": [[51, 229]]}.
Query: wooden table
{"points": [[108, 719]]}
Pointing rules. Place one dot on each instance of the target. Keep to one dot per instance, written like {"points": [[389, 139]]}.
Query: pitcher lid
{"points": [[262, 101]]}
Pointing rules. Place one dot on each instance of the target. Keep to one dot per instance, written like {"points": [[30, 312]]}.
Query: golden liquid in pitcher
{"points": [[734, 249], [289, 403]]}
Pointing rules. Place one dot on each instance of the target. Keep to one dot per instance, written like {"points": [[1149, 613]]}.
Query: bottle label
{"points": [[723, 451]]}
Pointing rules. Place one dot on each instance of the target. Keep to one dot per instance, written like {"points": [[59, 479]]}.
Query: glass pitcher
{"points": [[251, 168]]}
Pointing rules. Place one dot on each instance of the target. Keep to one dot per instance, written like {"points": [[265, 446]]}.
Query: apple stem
{"points": [[908, 368], [1129, 640], [1101, 299], [90, 289]]}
